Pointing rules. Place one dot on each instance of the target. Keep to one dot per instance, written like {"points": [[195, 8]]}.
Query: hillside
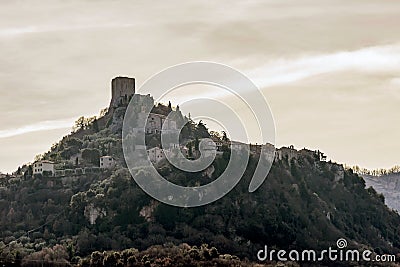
{"points": [[387, 185], [306, 203]]}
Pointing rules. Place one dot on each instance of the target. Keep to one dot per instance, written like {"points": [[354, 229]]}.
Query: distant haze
{"points": [[329, 69]]}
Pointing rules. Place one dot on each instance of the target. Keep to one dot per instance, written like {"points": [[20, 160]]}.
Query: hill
{"points": [[80, 209]]}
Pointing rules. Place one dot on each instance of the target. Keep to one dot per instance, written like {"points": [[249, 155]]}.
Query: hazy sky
{"points": [[329, 69]]}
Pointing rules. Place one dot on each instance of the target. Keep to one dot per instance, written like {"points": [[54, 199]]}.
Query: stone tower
{"points": [[122, 90]]}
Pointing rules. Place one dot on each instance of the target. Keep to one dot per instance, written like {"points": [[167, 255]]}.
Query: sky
{"points": [[330, 70]]}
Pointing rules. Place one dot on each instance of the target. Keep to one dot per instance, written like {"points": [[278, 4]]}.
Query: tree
{"points": [[188, 129], [56, 256], [79, 124], [29, 171], [113, 259], [91, 155], [83, 123], [103, 112], [38, 157], [96, 258], [74, 142], [225, 137], [201, 130], [190, 152], [95, 125], [196, 144], [215, 134], [89, 121]]}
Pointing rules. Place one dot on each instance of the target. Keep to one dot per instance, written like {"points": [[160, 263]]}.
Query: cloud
{"points": [[379, 59], [395, 81], [37, 127], [12, 32], [370, 60]]}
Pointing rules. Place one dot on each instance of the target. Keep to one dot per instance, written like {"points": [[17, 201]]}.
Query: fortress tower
{"points": [[122, 90]]}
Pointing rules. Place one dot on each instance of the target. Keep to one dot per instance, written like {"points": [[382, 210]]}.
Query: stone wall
{"points": [[122, 90]]}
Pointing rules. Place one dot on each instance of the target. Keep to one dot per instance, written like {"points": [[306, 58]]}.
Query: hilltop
{"points": [[78, 208]]}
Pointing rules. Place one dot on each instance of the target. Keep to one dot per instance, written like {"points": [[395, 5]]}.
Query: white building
{"points": [[155, 154], [107, 162], [217, 142], [41, 166], [209, 148], [174, 146]]}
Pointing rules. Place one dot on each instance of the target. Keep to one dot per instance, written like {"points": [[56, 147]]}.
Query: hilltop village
{"points": [[77, 159], [94, 148], [80, 198]]}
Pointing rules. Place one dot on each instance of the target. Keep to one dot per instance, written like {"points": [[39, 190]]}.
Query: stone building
{"points": [[286, 152], [122, 91], [155, 154], [155, 123]]}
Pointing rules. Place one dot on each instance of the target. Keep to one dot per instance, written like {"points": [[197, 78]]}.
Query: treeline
{"points": [[377, 172], [167, 255]]}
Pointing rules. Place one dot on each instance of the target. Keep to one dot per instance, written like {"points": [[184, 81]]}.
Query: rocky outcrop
{"points": [[92, 213], [389, 186]]}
